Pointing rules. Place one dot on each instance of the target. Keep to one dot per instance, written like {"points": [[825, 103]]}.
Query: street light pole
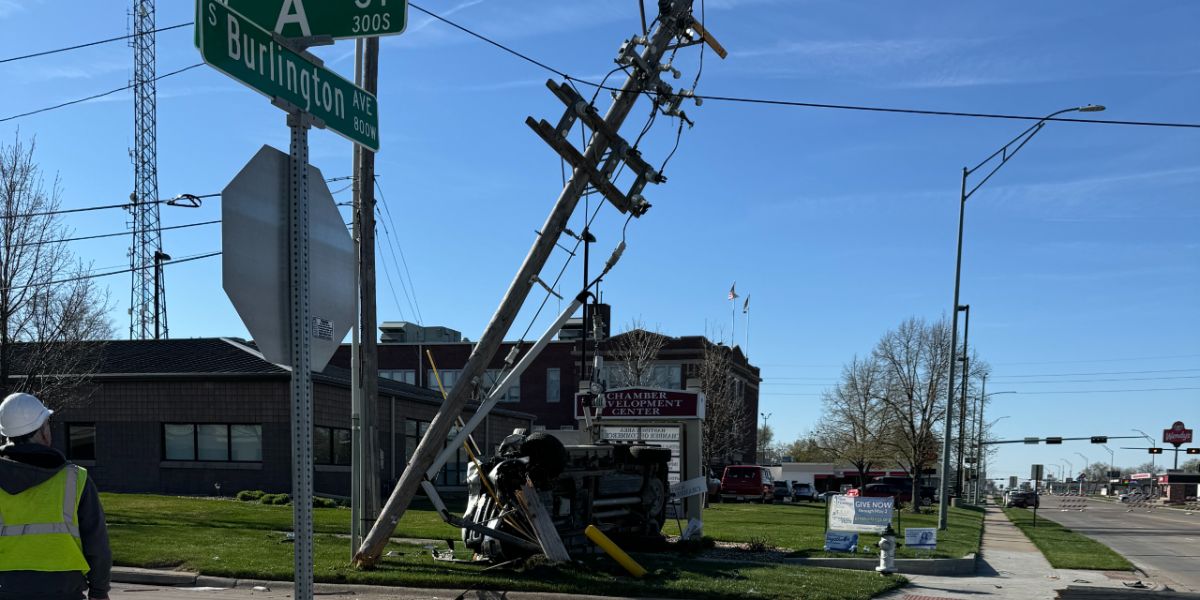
{"points": [[1004, 155], [1086, 462], [1152, 445], [765, 417]]}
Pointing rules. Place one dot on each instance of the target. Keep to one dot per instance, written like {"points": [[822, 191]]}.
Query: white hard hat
{"points": [[22, 414]]}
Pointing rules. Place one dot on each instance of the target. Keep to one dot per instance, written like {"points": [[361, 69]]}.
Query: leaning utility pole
{"points": [[605, 151], [147, 304]]}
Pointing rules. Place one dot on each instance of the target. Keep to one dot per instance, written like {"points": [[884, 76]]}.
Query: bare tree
{"points": [[48, 313], [806, 449], [856, 421], [915, 358], [635, 352], [726, 420]]}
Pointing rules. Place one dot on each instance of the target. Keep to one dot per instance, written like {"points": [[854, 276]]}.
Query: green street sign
{"points": [[339, 19], [234, 45]]}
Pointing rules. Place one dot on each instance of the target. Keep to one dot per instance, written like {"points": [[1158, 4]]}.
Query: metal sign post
{"points": [[301, 355]]}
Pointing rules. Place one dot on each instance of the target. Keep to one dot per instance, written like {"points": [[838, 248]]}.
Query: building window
{"points": [[664, 376], [493, 377], [214, 442], [553, 385], [179, 442], [81, 441], [408, 376], [331, 446], [449, 378], [455, 471], [245, 443]]}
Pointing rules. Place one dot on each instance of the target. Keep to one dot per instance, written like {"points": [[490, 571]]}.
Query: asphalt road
{"points": [[1165, 543]]}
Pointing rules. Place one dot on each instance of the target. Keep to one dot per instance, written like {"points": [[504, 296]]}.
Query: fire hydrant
{"points": [[887, 552]]}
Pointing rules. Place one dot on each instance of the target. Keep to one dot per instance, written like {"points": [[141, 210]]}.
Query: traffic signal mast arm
{"points": [[1058, 440], [675, 18]]}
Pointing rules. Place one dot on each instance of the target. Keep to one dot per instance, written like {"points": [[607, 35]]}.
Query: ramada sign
{"points": [[1177, 435], [646, 403]]}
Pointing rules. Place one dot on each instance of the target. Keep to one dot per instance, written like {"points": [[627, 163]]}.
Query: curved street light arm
{"points": [[1005, 154]]}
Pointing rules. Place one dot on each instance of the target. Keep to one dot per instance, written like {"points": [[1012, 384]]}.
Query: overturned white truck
{"points": [[620, 488]]}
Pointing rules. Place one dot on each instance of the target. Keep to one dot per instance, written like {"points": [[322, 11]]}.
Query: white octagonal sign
{"points": [[255, 263]]}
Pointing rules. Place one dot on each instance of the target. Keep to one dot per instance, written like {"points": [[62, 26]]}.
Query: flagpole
{"points": [[746, 350], [733, 317]]}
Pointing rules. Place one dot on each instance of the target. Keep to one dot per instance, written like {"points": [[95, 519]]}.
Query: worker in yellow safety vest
{"points": [[53, 541]]}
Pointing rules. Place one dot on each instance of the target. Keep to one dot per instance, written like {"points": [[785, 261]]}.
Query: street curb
{"points": [[184, 579], [152, 576], [946, 567]]}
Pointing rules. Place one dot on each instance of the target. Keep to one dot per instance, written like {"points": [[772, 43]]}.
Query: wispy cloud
{"points": [[11, 7]]}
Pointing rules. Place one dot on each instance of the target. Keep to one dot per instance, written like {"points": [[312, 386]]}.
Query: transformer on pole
{"points": [[147, 302]]}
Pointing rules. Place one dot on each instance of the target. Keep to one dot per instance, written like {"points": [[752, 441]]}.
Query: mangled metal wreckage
{"points": [[620, 488]]}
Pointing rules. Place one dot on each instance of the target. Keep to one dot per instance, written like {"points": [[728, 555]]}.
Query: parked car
{"points": [[783, 490], [1023, 500], [903, 495], [747, 482], [1132, 497], [824, 496], [803, 491]]}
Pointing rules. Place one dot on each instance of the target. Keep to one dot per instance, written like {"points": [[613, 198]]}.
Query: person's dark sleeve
{"points": [[93, 532]]}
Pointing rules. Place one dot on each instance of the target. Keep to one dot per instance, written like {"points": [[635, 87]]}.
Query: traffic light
{"points": [[1053, 440], [1154, 450], [1193, 450], [1099, 439]]}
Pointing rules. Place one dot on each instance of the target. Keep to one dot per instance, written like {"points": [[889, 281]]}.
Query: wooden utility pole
{"points": [[644, 76], [368, 362]]}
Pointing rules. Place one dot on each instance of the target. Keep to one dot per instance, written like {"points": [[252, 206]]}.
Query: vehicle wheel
{"points": [[547, 457]]}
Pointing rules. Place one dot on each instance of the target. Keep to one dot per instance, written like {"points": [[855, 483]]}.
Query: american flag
{"points": [[746, 305], [733, 294]]}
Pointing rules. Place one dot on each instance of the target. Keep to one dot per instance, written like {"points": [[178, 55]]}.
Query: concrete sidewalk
{"points": [[1010, 566]]}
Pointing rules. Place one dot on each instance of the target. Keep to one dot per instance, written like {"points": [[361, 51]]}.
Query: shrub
{"points": [[276, 499], [759, 544], [324, 502], [250, 495]]}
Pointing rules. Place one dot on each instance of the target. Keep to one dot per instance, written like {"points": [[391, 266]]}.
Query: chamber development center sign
{"points": [[645, 404]]}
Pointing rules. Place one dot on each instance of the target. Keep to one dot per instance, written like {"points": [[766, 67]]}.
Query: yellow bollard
{"points": [[614, 551]]}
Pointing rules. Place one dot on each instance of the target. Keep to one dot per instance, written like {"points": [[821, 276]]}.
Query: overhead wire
{"points": [[108, 235], [403, 259], [95, 43], [94, 96], [801, 104], [92, 275]]}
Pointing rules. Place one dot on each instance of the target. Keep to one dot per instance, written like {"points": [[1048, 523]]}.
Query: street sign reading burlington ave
{"points": [[340, 19], [236, 46]]}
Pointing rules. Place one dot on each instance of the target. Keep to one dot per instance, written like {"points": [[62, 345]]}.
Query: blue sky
{"points": [[1081, 264]]}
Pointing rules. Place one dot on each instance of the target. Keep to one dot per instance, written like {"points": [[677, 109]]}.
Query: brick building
{"points": [[186, 416], [547, 388]]}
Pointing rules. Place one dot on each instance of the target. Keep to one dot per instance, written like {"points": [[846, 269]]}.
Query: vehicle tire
{"points": [[547, 457], [649, 455]]}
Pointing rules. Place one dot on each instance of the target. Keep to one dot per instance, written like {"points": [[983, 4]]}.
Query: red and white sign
{"points": [[1142, 476], [1177, 435], [645, 404]]}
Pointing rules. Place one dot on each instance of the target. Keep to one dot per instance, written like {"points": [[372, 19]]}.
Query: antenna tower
{"points": [[147, 303]]}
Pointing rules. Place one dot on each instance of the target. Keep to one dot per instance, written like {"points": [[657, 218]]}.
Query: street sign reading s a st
{"points": [[340, 19], [236, 46]]}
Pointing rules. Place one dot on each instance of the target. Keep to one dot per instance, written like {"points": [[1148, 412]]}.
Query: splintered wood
{"points": [[543, 525]]}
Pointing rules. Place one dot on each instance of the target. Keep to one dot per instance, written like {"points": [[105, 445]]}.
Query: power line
{"points": [[1098, 360], [110, 273], [95, 96], [96, 43], [92, 208], [1050, 381], [108, 235], [403, 260], [1098, 373], [800, 104], [1039, 393]]}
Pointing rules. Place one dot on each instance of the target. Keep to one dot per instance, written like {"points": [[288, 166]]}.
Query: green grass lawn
{"points": [[1064, 548], [420, 521], [800, 528], [246, 540]]}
